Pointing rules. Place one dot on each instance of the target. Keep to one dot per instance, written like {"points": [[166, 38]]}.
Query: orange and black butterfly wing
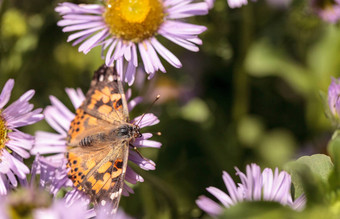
{"points": [[104, 106], [110, 196], [100, 175], [106, 99], [82, 162]]}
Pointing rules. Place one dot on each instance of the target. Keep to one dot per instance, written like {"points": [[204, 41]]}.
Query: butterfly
{"points": [[98, 140]]}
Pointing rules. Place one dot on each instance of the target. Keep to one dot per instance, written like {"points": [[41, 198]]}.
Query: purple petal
{"points": [[6, 93], [200, 8], [108, 59], [179, 41], [166, 54], [220, 195], [3, 189], [52, 121], [237, 3], [300, 203], [149, 119], [147, 143], [154, 57], [63, 111], [83, 26], [209, 206], [146, 59], [181, 29], [229, 183], [132, 177], [86, 46], [134, 102], [130, 72], [142, 163], [76, 96]]}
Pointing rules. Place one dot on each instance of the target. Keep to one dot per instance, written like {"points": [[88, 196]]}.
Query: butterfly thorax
{"points": [[128, 131], [125, 132]]}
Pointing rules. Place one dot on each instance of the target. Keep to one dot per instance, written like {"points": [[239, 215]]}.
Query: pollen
{"points": [[3, 133], [134, 20]]}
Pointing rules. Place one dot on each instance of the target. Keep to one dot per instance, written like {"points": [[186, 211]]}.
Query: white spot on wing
{"points": [[115, 194], [110, 78], [101, 77], [103, 202]]}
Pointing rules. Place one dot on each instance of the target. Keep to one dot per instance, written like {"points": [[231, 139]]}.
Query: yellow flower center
{"points": [[134, 20], [3, 133]]}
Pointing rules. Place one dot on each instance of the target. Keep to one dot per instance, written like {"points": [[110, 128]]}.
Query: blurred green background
{"points": [[250, 95]]}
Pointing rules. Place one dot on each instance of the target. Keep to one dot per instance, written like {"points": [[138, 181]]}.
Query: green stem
{"points": [[240, 79]]}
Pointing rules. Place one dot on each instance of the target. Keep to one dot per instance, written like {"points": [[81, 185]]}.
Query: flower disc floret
{"points": [[3, 133], [134, 20]]}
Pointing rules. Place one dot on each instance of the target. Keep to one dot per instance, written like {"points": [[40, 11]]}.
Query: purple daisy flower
{"points": [[59, 117], [14, 144], [125, 27], [328, 10], [237, 3], [254, 186]]}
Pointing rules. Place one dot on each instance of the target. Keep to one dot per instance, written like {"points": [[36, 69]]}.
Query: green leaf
{"points": [[334, 152], [320, 164], [270, 210], [258, 209], [310, 175]]}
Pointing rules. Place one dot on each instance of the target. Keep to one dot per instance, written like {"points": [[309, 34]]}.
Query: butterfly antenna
{"points": [[157, 98]]}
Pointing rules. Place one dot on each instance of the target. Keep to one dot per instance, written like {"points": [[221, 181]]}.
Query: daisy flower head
{"points": [[14, 144], [255, 186], [59, 118], [30, 202], [124, 28], [327, 10]]}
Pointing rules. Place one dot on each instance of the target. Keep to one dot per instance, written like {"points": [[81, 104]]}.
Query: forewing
{"points": [[104, 106], [105, 98]]}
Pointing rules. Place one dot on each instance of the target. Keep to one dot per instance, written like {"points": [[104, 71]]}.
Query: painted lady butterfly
{"points": [[99, 139]]}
